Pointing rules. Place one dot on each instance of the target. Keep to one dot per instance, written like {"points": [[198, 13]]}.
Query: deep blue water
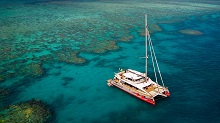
{"points": [[189, 65]]}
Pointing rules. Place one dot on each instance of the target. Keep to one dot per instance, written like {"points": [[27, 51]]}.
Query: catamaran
{"points": [[139, 84]]}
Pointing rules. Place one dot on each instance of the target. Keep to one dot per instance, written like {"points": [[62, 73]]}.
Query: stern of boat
{"points": [[109, 82]]}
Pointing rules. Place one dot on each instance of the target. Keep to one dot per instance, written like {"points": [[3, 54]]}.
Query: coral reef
{"points": [[69, 56], [190, 32], [3, 93], [33, 111], [33, 69], [126, 38], [40, 36], [2, 78], [152, 28], [20, 68], [102, 47]]}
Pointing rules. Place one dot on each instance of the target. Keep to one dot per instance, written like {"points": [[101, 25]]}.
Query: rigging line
{"points": [[155, 73], [158, 68]]}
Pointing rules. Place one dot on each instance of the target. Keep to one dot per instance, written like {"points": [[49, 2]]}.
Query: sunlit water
{"points": [[74, 47]]}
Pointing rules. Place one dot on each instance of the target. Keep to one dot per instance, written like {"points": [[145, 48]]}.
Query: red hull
{"points": [[167, 93], [148, 100]]}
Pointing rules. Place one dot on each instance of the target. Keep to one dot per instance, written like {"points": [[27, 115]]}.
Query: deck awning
{"points": [[132, 76]]}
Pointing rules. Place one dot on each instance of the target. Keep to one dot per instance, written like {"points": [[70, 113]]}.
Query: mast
{"points": [[146, 41]]}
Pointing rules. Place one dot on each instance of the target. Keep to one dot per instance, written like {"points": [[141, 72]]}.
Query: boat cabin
{"points": [[135, 79], [134, 76]]}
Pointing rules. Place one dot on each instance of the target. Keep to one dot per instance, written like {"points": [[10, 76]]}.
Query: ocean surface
{"points": [[62, 52]]}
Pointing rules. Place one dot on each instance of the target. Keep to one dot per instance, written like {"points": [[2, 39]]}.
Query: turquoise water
{"points": [[53, 35]]}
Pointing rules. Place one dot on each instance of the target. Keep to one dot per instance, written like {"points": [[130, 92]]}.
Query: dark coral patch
{"points": [[3, 93], [102, 46], [126, 38], [69, 56], [67, 80], [32, 111], [2, 78], [33, 69]]}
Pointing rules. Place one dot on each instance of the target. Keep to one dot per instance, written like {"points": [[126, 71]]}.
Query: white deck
{"points": [[137, 79]]}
